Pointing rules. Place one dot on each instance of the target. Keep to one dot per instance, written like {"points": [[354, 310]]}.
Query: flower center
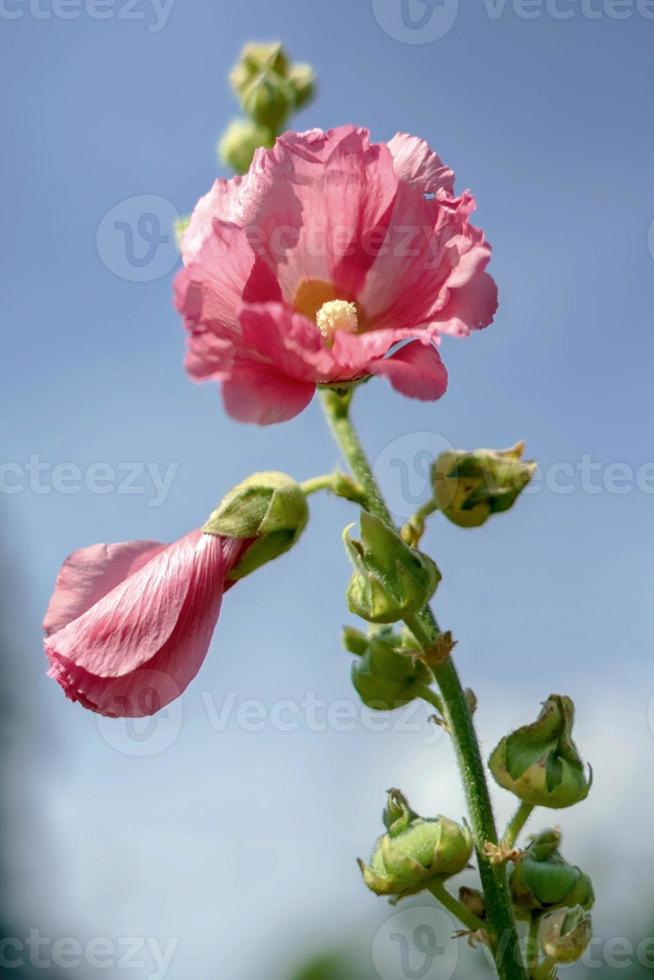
{"points": [[337, 314]]}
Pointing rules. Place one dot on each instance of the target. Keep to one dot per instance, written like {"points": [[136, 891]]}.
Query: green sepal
{"points": [[268, 508]]}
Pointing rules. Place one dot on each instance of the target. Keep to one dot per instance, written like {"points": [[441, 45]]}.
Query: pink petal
{"points": [[471, 307], [327, 192], [221, 202], [415, 370], [88, 574], [260, 393], [157, 621], [417, 164]]}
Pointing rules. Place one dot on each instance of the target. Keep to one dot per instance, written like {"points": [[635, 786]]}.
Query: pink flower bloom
{"points": [[129, 624], [314, 266]]}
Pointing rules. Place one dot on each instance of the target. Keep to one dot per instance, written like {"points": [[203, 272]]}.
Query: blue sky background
{"points": [[221, 837]]}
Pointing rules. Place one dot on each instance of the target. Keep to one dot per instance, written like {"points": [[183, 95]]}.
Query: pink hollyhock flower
{"points": [[311, 269], [129, 624]]}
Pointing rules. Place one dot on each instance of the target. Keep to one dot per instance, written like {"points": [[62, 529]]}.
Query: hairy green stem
{"points": [[516, 824], [456, 908], [501, 924]]}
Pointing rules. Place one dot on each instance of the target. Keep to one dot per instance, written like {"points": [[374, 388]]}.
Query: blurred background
{"points": [[218, 840]]}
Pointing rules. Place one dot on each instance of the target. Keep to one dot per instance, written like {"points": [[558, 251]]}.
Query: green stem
{"points": [[455, 908], [317, 483], [501, 923], [414, 528], [516, 824]]}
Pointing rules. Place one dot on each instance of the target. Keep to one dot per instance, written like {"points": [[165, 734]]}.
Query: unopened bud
{"points": [[540, 763], [391, 580], [384, 677], [303, 83], [240, 141], [543, 880], [564, 935], [470, 486], [415, 850]]}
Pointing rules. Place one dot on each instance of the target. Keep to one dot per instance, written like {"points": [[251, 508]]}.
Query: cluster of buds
{"points": [[270, 88], [470, 486], [414, 851], [269, 509], [540, 763], [391, 580], [542, 880], [384, 674]]}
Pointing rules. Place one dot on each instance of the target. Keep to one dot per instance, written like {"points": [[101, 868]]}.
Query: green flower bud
{"points": [[540, 763], [303, 83], [391, 580], [384, 676], [470, 486], [414, 851], [543, 879], [180, 227], [256, 58], [564, 935], [240, 141], [268, 507], [268, 100]]}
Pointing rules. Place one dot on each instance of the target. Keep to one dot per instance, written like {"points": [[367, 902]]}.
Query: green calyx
{"points": [[539, 763], [269, 508], [414, 851], [390, 580], [470, 486], [542, 880], [564, 935], [384, 674]]}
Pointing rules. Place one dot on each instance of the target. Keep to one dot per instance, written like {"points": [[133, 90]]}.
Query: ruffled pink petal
{"points": [[417, 164], [90, 573], [409, 276], [157, 622], [470, 307], [222, 203], [261, 394], [415, 370], [325, 194], [273, 332]]}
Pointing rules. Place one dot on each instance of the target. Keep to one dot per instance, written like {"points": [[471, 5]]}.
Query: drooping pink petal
{"points": [[220, 202], [415, 370], [157, 621], [90, 573], [261, 393], [416, 163]]}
